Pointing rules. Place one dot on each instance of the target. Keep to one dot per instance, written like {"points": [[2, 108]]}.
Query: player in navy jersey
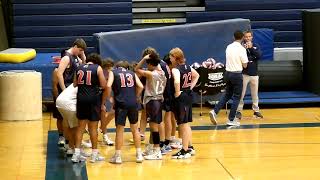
{"points": [[89, 79], [166, 126], [69, 63], [56, 90], [153, 98], [185, 78], [71, 58], [126, 87], [170, 129], [108, 115], [143, 119]]}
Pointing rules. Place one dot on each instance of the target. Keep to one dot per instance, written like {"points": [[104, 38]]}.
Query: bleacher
{"points": [[42, 24], [50, 25], [156, 13], [283, 16]]}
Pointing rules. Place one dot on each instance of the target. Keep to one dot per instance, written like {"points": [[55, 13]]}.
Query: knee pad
{"points": [[156, 137]]}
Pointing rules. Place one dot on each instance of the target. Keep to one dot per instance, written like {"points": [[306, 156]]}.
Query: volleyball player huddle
{"points": [[167, 85]]}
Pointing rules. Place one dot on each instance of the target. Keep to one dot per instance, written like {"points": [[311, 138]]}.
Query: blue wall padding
{"points": [[198, 41], [264, 38]]}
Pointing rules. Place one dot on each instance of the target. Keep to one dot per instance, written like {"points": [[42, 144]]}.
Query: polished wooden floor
{"points": [[274, 152]]}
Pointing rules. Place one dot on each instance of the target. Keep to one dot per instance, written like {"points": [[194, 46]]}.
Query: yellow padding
{"points": [[17, 55]]}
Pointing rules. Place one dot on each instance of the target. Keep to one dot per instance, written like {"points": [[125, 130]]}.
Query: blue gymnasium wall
{"points": [[52, 25], [283, 16], [198, 41]]}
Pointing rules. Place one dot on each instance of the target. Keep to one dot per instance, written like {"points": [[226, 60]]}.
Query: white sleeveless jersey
{"points": [[154, 87], [67, 100]]}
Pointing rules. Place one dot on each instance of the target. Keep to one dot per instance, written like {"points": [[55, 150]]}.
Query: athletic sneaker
{"points": [[148, 150], [191, 150], [182, 154], [139, 158], [116, 159], [96, 157], [257, 115], [235, 122], [64, 148], [78, 158], [166, 149], [238, 115], [69, 152], [107, 141], [85, 154], [86, 144], [155, 155], [61, 141], [176, 144], [213, 117]]}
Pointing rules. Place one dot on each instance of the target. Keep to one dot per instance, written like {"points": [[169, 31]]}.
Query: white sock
{"points": [[77, 151], [118, 152], [139, 151], [157, 149], [66, 146], [95, 151], [172, 138]]}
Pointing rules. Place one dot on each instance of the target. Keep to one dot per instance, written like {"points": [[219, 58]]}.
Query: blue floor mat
{"points": [[286, 101], [283, 94], [285, 97], [58, 167]]}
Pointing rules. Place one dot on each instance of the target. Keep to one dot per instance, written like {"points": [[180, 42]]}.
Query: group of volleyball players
{"points": [[101, 91]]}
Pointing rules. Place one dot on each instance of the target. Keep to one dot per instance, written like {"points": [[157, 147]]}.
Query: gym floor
{"points": [[285, 144]]}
